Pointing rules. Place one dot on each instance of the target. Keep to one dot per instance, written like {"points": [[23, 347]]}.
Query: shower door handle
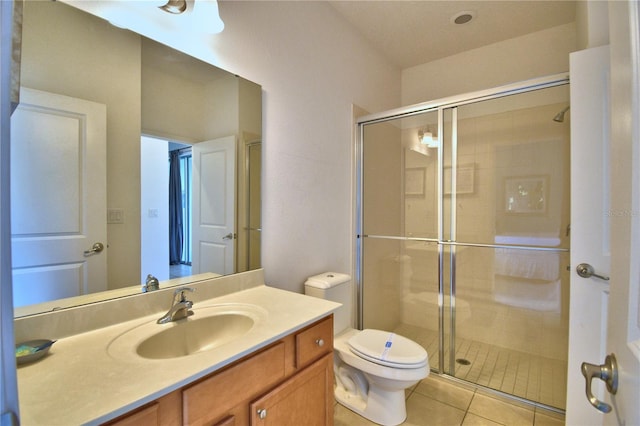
{"points": [[608, 372], [586, 271]]}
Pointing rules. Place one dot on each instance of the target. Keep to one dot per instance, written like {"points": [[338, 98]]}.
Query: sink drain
{"points": [[463, 361]]}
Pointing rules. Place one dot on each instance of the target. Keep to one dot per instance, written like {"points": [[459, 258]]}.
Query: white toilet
{"points": [[372, 367]]}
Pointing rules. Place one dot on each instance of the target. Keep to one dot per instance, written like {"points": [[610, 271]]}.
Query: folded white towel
{"points": [[540, 265], [528, 294]]}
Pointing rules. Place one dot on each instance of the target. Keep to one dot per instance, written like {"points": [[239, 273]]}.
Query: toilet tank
{"points": [[335, 287]]}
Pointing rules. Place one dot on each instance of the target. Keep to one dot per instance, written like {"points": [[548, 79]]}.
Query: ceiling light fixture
{"points": [[427, 138], [463, 17], [203, 16], [175, 7]]}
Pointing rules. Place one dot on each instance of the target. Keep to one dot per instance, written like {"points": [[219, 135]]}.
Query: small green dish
{"points": [[33, 350]]}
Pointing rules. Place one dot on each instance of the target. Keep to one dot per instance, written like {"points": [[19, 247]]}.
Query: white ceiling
{"points": [[410, 33]]}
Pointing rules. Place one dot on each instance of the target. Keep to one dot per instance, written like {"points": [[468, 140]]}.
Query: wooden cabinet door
{"points": [[214, 397], [305, 399]]}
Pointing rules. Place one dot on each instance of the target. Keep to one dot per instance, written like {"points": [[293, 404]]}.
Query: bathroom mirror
{"points": [[151, 96]]}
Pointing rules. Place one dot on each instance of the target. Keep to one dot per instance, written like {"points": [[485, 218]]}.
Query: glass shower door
{"points": [[511, 234], [400, 260], [463, 237]]}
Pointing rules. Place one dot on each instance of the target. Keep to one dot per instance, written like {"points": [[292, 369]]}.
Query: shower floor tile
{"points": [[535, 378], [438, 401]]}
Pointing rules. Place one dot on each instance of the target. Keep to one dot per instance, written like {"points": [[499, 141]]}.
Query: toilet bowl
{"points": [[372, 368]]}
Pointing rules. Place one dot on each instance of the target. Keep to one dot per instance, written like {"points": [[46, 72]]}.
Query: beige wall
{"points": [[592, 23], [533, 55]]}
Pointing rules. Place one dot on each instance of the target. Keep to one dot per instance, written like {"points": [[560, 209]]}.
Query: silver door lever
{"points": [[608, 372], [586, 271], [96, 248]]}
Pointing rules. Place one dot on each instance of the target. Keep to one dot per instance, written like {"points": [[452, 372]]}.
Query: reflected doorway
{"points": [[188, 212], [165, 218], [180, 195]]}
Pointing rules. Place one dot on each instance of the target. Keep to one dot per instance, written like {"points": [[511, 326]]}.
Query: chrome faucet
{"points": [[180, 306], [151, 284]]}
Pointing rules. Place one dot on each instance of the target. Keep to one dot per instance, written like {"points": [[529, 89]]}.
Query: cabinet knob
{"points": [[320, 342], [262, 413]]}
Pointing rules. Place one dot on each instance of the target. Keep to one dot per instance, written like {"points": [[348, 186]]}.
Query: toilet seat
{"points": [[388, 349]]}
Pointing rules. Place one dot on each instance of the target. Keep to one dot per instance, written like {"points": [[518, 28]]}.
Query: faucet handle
{"points": [[151, 284], [181, 291]]}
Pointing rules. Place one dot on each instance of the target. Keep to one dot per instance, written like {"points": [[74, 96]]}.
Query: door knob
{"points": [[96, 248], [229, 236], [586, 271], [608, 372]]}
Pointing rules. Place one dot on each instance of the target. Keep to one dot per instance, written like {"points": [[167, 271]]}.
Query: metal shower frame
{"points": [[438, 106]]}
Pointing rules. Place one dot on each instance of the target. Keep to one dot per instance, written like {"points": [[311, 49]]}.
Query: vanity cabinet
{"points": [[290, 382], [301, 400]]}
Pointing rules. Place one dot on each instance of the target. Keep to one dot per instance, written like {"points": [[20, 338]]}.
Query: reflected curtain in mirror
{"points": [[175, 209]]}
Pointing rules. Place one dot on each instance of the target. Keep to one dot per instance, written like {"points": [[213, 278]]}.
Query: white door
{"points": [[213, 209], [589, 226], [623, 338], [599, 311], [58, 197]]}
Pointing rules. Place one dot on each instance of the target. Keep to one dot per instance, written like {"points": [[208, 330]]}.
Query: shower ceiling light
{"points": [[463, 17]]}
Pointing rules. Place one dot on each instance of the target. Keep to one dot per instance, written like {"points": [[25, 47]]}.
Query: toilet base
{"points": [[386, 408]]}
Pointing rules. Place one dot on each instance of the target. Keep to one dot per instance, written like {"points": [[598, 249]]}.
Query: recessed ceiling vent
{"points": [[463, 17]]}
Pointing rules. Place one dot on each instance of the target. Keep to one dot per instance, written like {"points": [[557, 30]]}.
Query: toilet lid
{"points": [[386, 348]]}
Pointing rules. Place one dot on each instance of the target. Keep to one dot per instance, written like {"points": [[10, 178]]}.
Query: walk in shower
{"points": [[463, 234]]}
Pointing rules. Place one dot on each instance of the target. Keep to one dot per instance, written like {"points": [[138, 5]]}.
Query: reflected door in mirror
{"points": [[214, 206], [58, 197]]}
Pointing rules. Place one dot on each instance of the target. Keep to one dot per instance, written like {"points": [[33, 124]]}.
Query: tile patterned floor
{"points": [[527, 376], [437, 401]]}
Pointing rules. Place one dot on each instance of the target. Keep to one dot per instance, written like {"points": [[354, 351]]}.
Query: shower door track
{"points": [[467, 98]]}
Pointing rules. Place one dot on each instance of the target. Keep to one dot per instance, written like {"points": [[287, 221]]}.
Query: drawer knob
{"points": [[262, 413], [320, 342]]}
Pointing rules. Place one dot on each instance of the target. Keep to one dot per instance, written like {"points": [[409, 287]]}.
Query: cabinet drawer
{"points": [[213, 397], [315, 341]]}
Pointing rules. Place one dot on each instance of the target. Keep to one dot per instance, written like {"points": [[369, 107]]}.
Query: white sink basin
{"points": [[208, 328]]}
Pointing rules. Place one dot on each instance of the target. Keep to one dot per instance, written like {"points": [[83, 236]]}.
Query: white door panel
{"points": [[623, 338], [214, 206], [58, 197], [589, 226], [604, 316]]}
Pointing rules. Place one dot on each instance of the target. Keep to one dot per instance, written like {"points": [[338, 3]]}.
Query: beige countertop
{"points": [[83, 381]]}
